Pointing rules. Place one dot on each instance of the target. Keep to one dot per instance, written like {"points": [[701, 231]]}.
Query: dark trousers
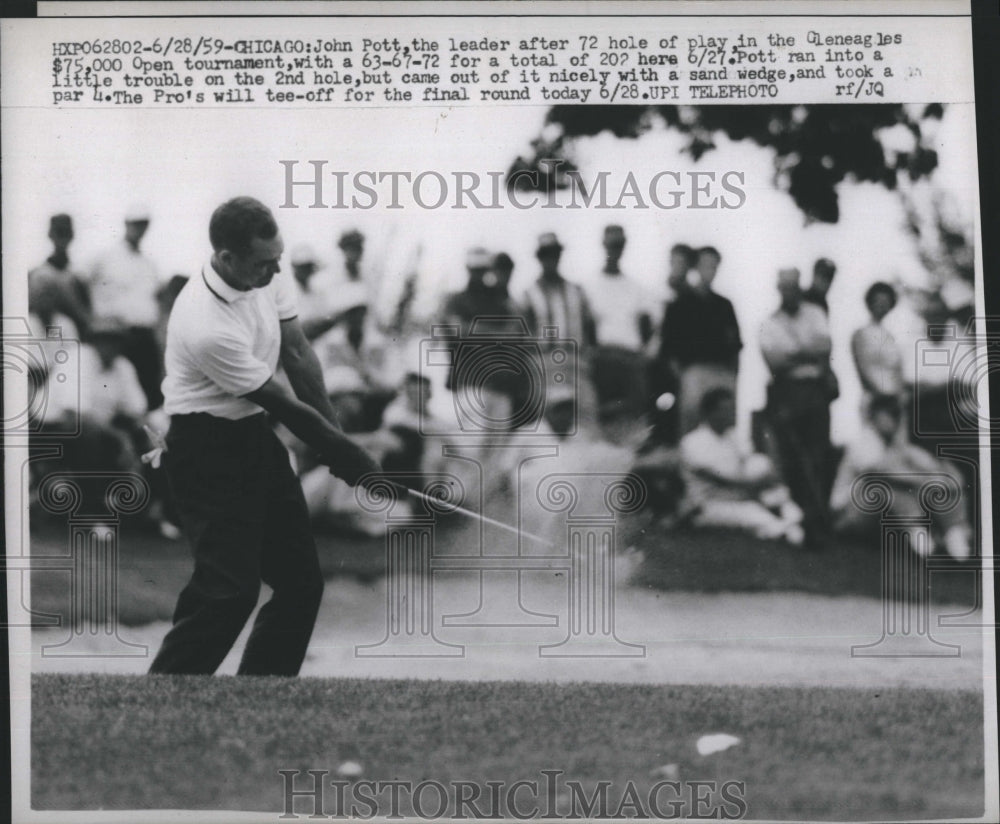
{"points": [[243, 511], [143, 350], [799, 418], [619, 377]]}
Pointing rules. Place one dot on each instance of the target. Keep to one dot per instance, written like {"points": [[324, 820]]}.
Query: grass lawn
{"points": [[716, 560], [152, 570], [217, 743]]}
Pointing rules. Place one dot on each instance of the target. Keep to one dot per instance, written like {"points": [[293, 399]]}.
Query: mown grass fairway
{"points": [[217, 743]]}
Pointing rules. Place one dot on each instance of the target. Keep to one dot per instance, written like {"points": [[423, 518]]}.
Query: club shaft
{"points": [[468, 513]]}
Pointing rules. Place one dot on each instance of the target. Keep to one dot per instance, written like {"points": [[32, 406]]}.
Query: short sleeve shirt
{"points": [[618, 302], [223, 344]]}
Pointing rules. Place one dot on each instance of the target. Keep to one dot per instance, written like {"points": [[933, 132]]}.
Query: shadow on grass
{"points": [[717, 560]]}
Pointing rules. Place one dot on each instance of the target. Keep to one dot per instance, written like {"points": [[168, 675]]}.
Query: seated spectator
{"points": [[879, 449], [728, 486], [110, 392], [410, 420], [356, 371]]}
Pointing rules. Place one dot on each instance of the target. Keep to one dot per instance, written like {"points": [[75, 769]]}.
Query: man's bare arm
{"points": [[303, 370], [345, 458], [317, 326]]}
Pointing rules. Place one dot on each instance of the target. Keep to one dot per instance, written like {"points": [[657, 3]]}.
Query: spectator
{"points": [[317, 311], [795, 342], [877, 356], [700, 340], [349, 284], [624, 327], [729, 487], [110, 392], [165, 297], [108, 402], [55, 289], [823, 272], [682, 260], [123, 284], [411, 421], [664, 382], [878, 448], [355, 372], [484, 307], [555, 309], [945, 376]]}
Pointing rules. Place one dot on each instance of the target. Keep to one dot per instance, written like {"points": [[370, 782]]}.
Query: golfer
{"points": [[240, 503]]}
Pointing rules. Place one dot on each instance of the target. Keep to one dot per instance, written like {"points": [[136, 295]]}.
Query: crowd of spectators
{"points": [[668, 367]]}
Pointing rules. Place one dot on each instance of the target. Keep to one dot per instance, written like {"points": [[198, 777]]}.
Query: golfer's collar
{"points": [[218, 287]]}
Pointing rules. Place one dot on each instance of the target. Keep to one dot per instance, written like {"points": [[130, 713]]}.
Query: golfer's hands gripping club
{"points": [[354, 464]]}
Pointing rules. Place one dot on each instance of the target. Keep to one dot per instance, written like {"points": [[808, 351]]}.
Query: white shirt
{"points": [[106, 392], [617, 302], [869, 453], [223, 343], [315, 300], [806, 332], [341, 291], [704, 448], [878, 358], [123, 284]]}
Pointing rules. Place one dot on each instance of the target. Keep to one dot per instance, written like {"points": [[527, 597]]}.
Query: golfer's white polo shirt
{"points": [[223, 343]]}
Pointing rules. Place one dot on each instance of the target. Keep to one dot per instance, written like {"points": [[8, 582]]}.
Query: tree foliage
{"points": [[816, 146]]}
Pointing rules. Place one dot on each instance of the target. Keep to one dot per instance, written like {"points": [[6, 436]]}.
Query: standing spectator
{"points": [[877, 356], [663, 380], [349, 284], [823, 271], [795, 342], [123, 284], [484, 307], [726, 485], [623, 326], [556, 308], [682, 260], [318, 310], [166, 295], [700, 340], [54, 287]]}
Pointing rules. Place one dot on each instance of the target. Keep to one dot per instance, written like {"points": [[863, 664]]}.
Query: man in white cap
{"points": [[795, 342], [123, 284]]}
